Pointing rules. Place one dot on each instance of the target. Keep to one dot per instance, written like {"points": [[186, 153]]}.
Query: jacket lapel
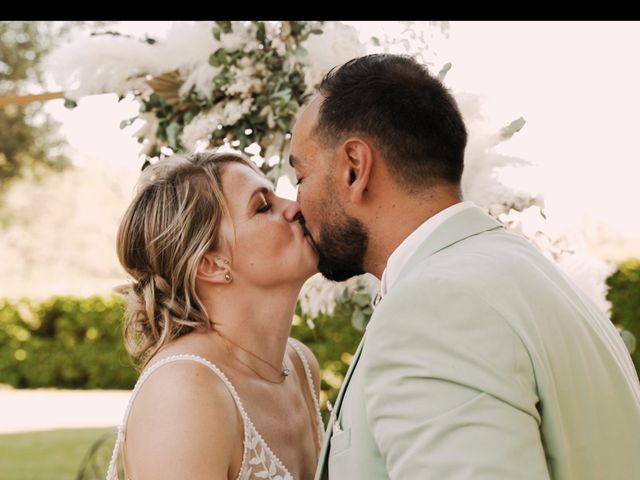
{"points": [[322, 472]]}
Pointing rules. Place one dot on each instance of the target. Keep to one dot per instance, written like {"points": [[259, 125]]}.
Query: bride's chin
{"points": [[311, 267], [313, 258], [309, 259]]}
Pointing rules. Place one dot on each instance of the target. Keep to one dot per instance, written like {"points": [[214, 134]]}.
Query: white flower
{"points": [[279, 46], [120, 64], [231, 41], [246, 105], [147, 131], [149, 125], [241, 37], [492, 180], [188, 45], [335, 45], [246, 82], [421, 40], [201, 128], [272, 28], [234, 110], [103, 64], [319, 295], [201, 79]]}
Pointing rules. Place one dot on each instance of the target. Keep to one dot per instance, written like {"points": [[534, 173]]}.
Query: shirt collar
{"points": [[401, 255]]}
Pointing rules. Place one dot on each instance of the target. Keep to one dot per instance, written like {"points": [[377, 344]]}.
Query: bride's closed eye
{"points": [[264, 208], [260, 200]]}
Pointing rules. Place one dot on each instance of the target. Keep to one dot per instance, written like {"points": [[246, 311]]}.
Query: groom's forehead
{"points": [[304, 161], [306, 122]]}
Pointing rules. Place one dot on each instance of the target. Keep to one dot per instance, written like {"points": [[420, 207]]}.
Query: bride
{"points": [[217, 262]]}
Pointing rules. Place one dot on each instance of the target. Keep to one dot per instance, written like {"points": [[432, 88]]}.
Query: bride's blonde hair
{"points": [[171, 223]]}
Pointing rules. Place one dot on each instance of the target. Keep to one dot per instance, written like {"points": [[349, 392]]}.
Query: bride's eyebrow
{"points": [[263, 190]]}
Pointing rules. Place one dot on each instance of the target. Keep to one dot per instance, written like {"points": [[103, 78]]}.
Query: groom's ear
{"points": [[213, 268], [356, 165]]}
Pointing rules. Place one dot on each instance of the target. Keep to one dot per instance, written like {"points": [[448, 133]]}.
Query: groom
{"points": [[481, 360]]}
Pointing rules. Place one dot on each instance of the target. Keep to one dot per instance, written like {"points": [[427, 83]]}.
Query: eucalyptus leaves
{"points": [[257, 86]]}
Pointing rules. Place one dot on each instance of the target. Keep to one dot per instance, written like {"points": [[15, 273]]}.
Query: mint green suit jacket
{"points": [[485, 362]]}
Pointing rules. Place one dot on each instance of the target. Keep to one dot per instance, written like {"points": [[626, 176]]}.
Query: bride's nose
{"points": [[291, 211]]}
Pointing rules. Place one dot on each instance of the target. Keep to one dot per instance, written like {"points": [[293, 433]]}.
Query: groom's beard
{"points": [[341, 248]]}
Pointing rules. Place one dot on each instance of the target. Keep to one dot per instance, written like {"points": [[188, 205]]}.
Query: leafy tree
{"points": [[28, 144]]}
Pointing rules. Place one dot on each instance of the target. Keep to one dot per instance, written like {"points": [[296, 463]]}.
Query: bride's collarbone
{"points": [[279, 412]]}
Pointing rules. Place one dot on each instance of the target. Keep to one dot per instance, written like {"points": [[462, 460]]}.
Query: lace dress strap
{"points": [[112, 472], [312, 388]]}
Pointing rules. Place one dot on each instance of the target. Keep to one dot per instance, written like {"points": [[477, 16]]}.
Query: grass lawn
{"points": [[50, 455]]}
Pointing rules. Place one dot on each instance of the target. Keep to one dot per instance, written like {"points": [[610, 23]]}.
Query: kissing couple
{"points": [[481, 360]]}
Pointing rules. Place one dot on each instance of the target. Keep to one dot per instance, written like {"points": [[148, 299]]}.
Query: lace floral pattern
{"points": [[261, 462]]}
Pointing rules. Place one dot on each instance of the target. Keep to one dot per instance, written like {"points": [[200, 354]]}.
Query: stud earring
{"points": [[227, 277]]}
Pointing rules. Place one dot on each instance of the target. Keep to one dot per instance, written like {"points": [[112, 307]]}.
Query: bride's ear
{"points": [[214, 268]]}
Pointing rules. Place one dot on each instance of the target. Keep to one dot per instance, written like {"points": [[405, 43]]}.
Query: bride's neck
{"points": [[259, 322]]}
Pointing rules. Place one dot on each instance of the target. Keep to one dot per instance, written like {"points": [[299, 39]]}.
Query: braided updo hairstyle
{"points": [[171, 223]]}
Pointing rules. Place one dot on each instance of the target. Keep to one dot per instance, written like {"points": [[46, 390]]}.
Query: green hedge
{"points": [[624, 295], [64, 342], [69, 342]]}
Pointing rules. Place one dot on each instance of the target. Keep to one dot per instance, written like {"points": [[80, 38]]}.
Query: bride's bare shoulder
{"points": [[183, 421]]}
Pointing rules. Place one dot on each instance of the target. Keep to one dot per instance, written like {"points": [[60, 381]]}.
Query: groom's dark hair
{"points": [[408, 114]]}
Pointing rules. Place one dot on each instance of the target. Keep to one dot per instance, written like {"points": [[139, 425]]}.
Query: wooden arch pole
{"points": [[25, 99]]}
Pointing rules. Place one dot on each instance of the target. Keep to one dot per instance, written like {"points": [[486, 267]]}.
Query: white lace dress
{"points": [[258, 460]]}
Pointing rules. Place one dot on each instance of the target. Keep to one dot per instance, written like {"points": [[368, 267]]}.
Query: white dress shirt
{"points": [[404, 251]]}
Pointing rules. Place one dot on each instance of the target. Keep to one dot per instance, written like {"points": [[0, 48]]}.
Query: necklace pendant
{"points": [[286, 372]]}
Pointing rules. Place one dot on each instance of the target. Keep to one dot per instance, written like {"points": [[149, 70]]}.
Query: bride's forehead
{"points": [[237, 172], [238, 177]]}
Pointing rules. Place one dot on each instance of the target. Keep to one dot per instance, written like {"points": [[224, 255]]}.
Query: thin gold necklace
{"points": [[284, 373]]}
